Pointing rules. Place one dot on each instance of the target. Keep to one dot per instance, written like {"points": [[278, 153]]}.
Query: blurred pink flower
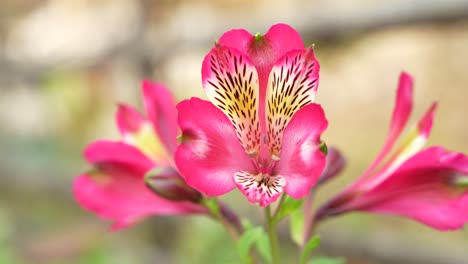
{"points": [[115, 188], [261, 130], [429, 186]]}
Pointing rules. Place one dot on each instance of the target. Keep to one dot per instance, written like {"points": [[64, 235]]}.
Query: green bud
{"points": [[258, 36], [323, 147]]}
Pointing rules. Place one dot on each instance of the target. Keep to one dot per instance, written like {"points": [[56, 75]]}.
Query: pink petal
{"points": [[425, 188], [403, 107], [160, 107], [238, 39], [117, 193], [283, 39], [263, 192], [412, 144], [448, 214], [106, 151], [425, 123], [231, 83], [129, 120], [401, 113], [301, 161], [209, 154], [292, 84], [263, 51], [437, 157], [139, 132]]}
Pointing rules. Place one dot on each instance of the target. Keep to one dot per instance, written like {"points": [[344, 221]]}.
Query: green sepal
{"points": [[323, 147], [258, 36]]}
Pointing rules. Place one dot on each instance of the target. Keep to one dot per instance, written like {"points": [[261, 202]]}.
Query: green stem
{"points": [[280, 203], [309, 223], [215, 209], [273, 236]]}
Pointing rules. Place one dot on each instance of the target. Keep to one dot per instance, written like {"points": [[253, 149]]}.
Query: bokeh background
{"points": [[65, 63]]}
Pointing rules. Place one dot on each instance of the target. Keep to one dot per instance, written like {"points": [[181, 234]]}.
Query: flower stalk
{"points": [[226, 217], [272, 235]]}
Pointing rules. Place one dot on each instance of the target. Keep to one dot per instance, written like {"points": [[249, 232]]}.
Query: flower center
{"points": [[264, 162]]}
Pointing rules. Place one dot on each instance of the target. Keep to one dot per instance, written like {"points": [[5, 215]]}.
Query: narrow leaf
{"points": [[296, 227], [246, 241], [263, 246], [309, 246]]}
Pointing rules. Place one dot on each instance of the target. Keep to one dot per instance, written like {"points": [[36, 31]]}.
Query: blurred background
{"points": [[65, 64]]}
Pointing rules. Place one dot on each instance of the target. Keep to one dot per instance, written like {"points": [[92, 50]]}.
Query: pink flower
{"points": [[429, 186], [115, 188], [261, 130]]}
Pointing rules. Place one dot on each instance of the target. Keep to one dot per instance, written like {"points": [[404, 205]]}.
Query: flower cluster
{"points": [[260, 132]]}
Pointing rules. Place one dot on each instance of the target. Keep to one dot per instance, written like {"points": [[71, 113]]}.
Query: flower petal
{"points": [[430, 188], [414, 142], [209, 153], [115, 188], [129, 120], [283, 39], [160, 107], [292, 84], [106, 151], [116, 192], [260, 188], [231, 83], [137, 131], [301, 161], [238, 39], [401, 113]]}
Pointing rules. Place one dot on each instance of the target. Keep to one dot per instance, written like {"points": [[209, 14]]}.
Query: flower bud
{"points": [[335, 164], [167, 183]]}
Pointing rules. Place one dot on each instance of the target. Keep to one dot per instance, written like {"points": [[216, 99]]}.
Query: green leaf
{"points": [[327, 260], [246, 241], [254, 236], [289, 205], [309, 246], [263, 246], [296, 227]]}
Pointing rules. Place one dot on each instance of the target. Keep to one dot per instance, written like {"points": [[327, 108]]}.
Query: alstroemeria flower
{"points": [[115, 188], [261, 130], [429, 185]]}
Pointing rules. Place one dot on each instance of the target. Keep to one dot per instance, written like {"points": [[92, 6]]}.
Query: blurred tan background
{"points": [[65, 64]]}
